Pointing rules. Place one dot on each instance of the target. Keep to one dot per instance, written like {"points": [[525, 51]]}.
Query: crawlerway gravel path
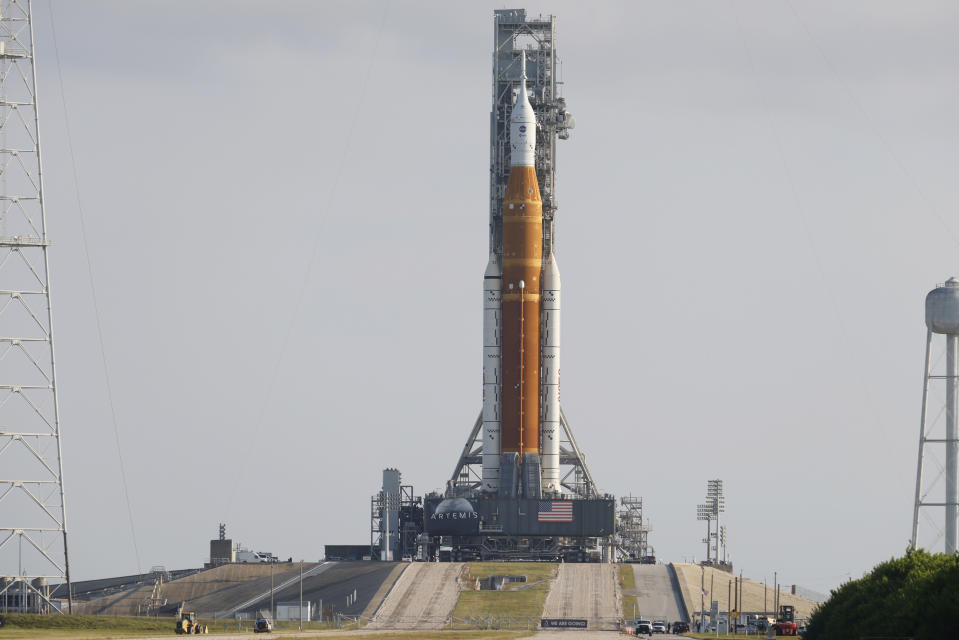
{"points": [[422, 598], [589, 591]]}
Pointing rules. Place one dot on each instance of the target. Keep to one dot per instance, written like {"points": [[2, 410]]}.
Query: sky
{"points": [[285, 207]]}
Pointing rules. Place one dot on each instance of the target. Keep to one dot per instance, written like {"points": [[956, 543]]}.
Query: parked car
{"points": [[659, 626], [644, 627], [680, 627], [262, 625]]}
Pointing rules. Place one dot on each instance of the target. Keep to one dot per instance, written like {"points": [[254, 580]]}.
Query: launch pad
{"points": [[495, 528], [520, 489]]}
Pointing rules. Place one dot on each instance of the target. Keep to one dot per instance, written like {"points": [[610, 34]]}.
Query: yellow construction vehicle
{"points": [[187, 623]]}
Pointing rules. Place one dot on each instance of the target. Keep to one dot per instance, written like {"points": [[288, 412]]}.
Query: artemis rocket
{"points": [[521, 325]]}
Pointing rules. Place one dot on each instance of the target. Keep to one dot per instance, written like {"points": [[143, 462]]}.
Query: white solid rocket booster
{"points": [[549, 366], [492, 371]]}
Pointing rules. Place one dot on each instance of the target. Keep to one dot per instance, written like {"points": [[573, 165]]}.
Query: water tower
{"points": [[942, 317]]}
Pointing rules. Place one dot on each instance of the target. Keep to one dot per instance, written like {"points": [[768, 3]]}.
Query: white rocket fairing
{"points": [[522, 126]]}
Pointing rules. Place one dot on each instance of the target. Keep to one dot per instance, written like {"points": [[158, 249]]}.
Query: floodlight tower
{"points": [[942, 317], [33, 529], [709, 512]]}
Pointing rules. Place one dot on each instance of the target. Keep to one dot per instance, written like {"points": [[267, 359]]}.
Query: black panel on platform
{"points": [[519, 516]]}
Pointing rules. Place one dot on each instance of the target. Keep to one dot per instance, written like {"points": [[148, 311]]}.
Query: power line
{"points": [[93, 290], [307, 274], [844, 334]]}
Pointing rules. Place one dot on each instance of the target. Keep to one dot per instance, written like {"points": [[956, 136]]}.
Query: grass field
{"points": [[627, 580], [516, 599], [55, 627], [18, 625], [78, 627]]}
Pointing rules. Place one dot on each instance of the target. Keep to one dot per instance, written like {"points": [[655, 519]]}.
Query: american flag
{"points": [[555, 511]]}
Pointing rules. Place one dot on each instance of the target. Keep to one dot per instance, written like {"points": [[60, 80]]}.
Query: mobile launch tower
{"points": [[521, 487], [512, 32]]}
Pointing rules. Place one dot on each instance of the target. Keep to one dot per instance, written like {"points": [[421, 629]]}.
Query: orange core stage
{"points": [[522, 272]]}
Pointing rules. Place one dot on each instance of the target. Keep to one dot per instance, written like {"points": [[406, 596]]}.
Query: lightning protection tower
{"points": [[33, 529], [942, 317]]}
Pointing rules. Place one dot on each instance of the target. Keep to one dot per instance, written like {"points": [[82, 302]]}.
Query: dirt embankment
{"points": [[717, 584]]}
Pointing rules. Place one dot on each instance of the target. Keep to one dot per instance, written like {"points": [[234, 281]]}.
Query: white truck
{"points": [[245, 555]]}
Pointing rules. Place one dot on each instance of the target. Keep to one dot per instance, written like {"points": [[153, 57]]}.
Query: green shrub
{"points": [[915, 596]]}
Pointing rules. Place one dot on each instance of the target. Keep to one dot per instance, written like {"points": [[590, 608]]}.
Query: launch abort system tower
{"points": [[521, 487]]}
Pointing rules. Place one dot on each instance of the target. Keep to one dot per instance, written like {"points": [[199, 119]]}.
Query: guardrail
{"points": [[344, 621]]}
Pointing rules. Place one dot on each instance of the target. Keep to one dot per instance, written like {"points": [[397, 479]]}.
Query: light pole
{"points": [[272, 611], [301, 596], [712, 592], [740, 605], [702, 598], [729, 603], [776, 594]]}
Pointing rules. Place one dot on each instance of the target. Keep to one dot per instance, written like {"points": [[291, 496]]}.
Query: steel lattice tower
{"points": [[33, 530], [633, 529]]}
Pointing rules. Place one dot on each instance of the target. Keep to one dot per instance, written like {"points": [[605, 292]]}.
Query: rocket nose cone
{"points": [[551, 274], [522, 113]]}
